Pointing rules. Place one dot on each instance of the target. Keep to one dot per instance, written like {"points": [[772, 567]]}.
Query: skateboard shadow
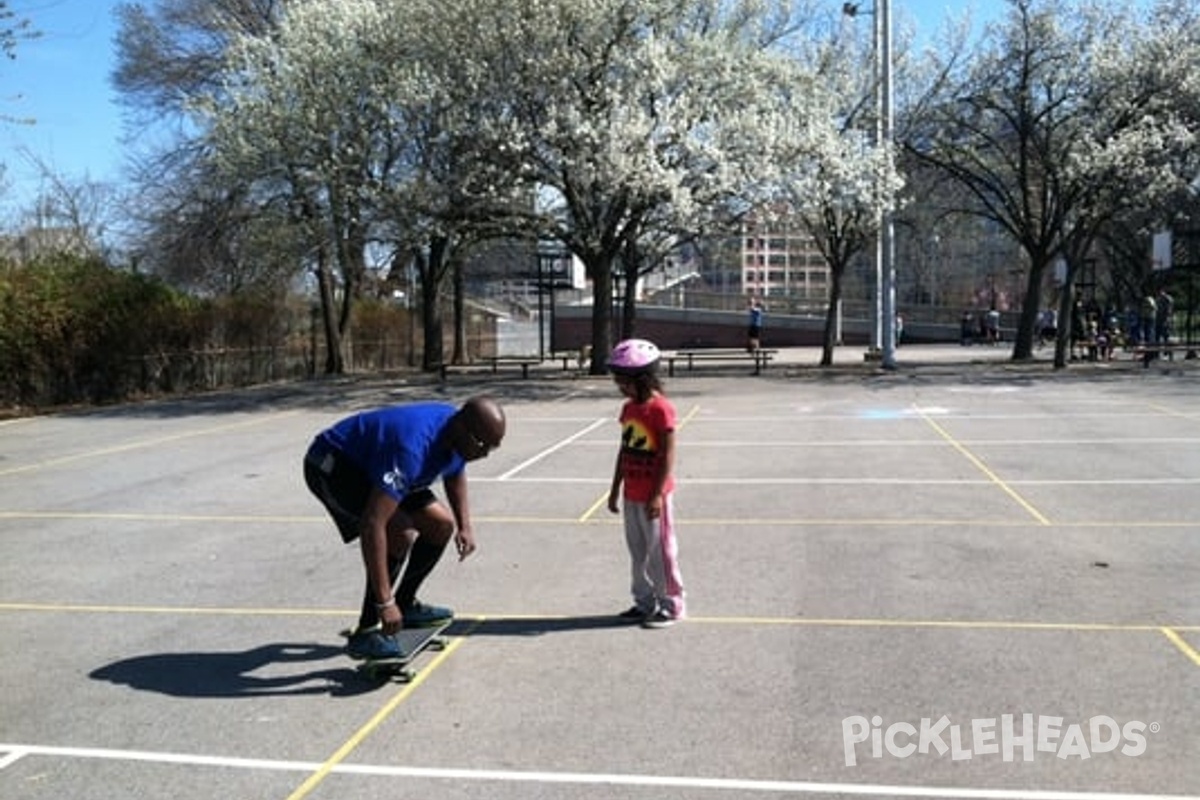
{"points": [[534, 626], [233, 674]]}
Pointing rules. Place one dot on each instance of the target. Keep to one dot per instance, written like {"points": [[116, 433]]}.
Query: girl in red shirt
{"points": [[644, 478]]}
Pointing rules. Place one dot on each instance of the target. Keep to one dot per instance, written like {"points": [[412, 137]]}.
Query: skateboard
{"points": [[412, 642]]}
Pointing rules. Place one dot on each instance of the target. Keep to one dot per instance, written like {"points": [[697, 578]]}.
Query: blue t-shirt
{"points": [[400, 448]]}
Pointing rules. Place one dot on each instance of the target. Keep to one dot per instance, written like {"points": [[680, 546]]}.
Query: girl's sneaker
{"points": [[659, 619]]}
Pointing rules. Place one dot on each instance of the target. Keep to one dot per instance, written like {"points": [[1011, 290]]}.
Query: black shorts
{"points": [[343, 489]]}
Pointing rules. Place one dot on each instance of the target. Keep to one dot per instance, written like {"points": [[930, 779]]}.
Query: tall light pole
{"points": [[884, 339], [887, 228]]}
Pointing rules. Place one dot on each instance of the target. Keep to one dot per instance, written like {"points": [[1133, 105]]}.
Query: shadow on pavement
{"points": [[231, 674], [535, 626]]}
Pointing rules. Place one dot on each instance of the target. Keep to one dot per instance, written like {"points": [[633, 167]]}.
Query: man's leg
{"points": [[434, 527], [368, 617], [343, 490]]}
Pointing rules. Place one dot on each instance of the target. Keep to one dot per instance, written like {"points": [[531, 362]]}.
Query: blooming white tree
{"points": [[304, 112], [1064, 118], [630, 115], [422, 124], [838, 179]]}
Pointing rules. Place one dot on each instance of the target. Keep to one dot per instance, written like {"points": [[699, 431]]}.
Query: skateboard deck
{"points": [[412, 642]]}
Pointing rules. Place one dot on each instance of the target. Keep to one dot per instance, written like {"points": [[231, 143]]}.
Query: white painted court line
{"points": [[554, 448], [11, 757], [580, 778]]}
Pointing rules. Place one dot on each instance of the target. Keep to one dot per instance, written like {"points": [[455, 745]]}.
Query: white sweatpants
{"points": [[654, 556]]}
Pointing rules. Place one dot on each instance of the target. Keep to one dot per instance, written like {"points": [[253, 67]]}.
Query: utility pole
{"points": [[887, 228], [883, 342]]}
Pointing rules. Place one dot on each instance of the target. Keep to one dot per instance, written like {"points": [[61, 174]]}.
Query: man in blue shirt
{"points": [[374, 473], [754, 329]]}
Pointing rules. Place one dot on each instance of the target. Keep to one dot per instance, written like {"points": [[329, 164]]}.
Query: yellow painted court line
{"points": [[1177, 640], [122, 448], [993, 477], [602, 501], [1013, 625], [800, 622], [1171, 412], [362, 733], [856, 522], [479, 619], [178, 610], [692, 412], [140, 517], [587, 519], [913, 522], [592, 509]]}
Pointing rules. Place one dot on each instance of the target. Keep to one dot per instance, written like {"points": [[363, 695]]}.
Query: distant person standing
{"points": [[1047, 327], [754, 331], [1078, 330], [993, 326], [1148, 320], [1163, 311], [966, 330]]}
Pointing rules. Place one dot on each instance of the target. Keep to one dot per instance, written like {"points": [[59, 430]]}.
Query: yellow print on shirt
{"points": [[637, 437]]}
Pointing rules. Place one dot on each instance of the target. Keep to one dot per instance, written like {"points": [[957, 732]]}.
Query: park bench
{"points": [[760, 358], [1148, 352], [567, 358], [524, 362]]}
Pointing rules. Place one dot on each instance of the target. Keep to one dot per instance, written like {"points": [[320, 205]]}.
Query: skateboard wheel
{"points": [[436, 644]]}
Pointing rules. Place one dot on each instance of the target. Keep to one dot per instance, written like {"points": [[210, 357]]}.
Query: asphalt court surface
{"points": [[911, 559]]}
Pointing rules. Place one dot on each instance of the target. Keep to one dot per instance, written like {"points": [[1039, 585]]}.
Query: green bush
{"points": [[74, 330]]}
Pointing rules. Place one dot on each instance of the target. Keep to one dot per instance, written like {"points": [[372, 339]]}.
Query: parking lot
{"points": [[951, 581]]}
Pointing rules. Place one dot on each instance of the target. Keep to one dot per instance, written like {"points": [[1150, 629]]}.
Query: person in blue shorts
{"points": [[374, 473]]}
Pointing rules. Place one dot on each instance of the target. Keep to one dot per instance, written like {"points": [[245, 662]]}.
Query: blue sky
{"points": [[63, 81]]}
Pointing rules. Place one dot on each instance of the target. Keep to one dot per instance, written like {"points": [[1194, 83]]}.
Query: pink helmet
{"points": [[634, 357]]}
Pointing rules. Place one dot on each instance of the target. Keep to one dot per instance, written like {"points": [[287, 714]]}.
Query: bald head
{"points": [[480, 427]]}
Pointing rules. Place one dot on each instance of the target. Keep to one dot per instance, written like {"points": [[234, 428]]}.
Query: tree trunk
{"points": [[1030, 312], [630, 263], [829, 335], [459, 355], [1066, 304], [602, 295], [335, 362], [431, 280]]}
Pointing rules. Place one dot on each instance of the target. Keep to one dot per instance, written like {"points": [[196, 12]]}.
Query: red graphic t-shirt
{"points": [[643, 426]]}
